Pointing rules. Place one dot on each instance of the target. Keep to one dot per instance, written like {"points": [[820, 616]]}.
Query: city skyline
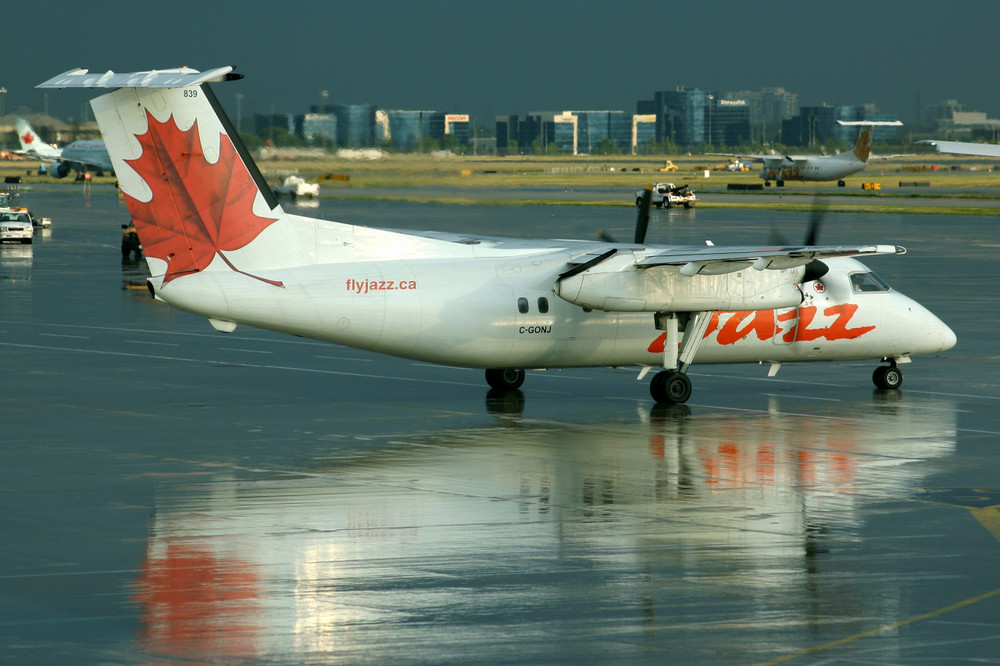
{"points": [[513, 56]]}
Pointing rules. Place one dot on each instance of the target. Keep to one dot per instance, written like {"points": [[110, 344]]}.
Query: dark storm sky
{"points": [[515, 56]]}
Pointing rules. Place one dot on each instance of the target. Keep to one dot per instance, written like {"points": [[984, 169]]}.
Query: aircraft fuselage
{"points": [[810, 169], [458, 313]]}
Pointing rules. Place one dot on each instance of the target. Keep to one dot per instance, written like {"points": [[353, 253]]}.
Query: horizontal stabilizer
{"points": [[180, 77], [870, 123]]}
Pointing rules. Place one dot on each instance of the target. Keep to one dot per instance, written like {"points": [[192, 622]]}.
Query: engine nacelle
{"points": [[59, 170], [616, 285]]}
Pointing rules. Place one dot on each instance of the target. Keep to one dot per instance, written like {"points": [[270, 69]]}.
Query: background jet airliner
{"points": [[964, 147], [780, 168], [218, 244], [78, 156]]}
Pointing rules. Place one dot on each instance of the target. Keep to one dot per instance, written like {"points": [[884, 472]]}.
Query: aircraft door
{"points": [[786, 323]]}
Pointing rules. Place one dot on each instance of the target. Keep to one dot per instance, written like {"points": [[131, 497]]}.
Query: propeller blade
{"points": [[815, 269], [815, 222], [642, 223], [775, 237], [605, 237]]}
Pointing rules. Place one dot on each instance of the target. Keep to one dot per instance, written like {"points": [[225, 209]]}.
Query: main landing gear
{"points": [[505, 379], [888, 377], [670, 387]]}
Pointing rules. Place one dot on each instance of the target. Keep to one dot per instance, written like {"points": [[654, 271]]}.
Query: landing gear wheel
{"points": [[887, 377], [506, 379], [670, 387]]}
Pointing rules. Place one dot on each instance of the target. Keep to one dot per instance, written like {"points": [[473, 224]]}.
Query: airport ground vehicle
{"points": [[36, 221], [15, 227], [296, 187], [668, 195]]}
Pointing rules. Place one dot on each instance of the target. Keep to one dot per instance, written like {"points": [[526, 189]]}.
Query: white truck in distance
{"points": [[668, 195]]}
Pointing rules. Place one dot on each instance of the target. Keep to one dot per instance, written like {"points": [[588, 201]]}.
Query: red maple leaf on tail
{"points": [[198, 209]]}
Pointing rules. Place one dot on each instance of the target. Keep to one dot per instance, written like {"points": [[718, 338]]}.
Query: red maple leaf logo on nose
{"points": [[198, 209]]}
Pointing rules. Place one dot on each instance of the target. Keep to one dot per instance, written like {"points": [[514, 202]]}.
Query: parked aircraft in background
{"points": [[964, 147], [78, 156], [780, 168], [219, 245]]}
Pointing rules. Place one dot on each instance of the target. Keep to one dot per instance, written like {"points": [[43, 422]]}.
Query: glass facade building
{"points": [[574, 132], [317, 127], [695, 117], [355, 125]]}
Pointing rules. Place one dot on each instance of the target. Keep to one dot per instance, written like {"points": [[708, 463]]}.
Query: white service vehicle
{"points": [[15, 227], [295, 187], [668, 195]]}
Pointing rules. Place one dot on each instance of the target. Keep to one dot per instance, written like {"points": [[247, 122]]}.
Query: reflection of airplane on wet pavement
{"points": [[738, 505], [218, 244], [780, 168], [78, 156]]}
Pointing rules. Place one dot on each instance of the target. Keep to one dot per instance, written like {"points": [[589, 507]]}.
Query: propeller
{"points": [[815, 269], [642, 222], [815, 221]]}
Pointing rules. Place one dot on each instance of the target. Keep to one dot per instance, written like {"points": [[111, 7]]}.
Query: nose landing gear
{"points": [[888, 377]]}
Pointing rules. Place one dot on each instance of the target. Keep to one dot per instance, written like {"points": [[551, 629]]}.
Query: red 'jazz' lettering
{"points": [[765, 324]]}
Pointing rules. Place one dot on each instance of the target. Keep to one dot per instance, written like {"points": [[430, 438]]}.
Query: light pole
{"points": [[323, 95], [239, 112], [3, 101]]}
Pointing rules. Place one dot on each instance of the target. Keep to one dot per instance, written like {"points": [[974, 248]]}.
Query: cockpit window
{"points": [[867, 282]]}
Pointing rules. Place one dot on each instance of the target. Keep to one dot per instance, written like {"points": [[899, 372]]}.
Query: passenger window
{"points": [[522, 305], [867, 283], [543, 305]]}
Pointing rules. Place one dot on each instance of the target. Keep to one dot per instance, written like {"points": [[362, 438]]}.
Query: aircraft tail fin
{"points": [[31, 142], [863, 145], [197, 199]]}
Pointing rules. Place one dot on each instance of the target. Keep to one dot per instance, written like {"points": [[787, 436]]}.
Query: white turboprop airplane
{"points": [[77, 156], [780, 168], [964, 147], [219, 245]]}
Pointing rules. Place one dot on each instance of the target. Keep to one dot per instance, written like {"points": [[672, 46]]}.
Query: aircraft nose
{"points": [[948, 337]]}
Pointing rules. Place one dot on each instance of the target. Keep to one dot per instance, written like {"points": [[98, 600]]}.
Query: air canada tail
{"points": [[31, 142], [197, 199]]}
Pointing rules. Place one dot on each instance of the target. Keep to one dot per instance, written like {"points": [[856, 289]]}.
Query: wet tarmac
{"points": [[175, 495]]}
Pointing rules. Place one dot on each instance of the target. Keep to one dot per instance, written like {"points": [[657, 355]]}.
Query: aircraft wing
{"points": [[711, 260], [34, 155], [89, 164], [964, 147], [745, 156]]}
